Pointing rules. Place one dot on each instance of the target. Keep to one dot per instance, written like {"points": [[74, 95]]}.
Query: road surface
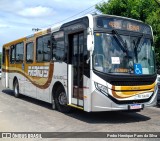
{"points": [[25, 114]]}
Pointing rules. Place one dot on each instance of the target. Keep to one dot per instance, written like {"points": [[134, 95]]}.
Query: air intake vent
{"points": [[131, 83], [127, 80]]}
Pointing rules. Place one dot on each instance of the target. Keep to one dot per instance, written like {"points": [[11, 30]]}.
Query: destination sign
{"points": [[122, 24], [127, 26]]}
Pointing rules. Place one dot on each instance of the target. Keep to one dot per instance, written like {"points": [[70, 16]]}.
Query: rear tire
{"points": [[16, 89], [61, 101]]}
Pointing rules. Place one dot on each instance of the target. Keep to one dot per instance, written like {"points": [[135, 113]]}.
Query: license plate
{"points": [[135, 106]]}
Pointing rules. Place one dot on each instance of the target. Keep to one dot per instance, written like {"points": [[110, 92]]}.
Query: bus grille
{"points": [[131, 83]]}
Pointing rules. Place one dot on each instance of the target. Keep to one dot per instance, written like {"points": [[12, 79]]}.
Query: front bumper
{"points": [[101, 102]]}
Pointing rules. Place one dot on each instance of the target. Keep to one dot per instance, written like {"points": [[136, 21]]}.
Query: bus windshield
{"points": [[123, 54]]}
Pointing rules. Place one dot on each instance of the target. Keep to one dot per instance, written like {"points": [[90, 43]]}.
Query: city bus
{"points": [[93, 63]]}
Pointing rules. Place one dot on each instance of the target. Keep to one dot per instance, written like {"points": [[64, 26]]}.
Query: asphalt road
{"points": [[29, 115]]}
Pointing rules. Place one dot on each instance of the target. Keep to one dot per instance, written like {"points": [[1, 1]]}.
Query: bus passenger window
{"points": [[58, 46], [12, 54], [29, 52], [3, 57], [60, 50], [19, 52], [43, 50]]}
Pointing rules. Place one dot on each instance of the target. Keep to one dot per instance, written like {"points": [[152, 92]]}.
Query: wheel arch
{"points": [[15, 78], [55, 87]]}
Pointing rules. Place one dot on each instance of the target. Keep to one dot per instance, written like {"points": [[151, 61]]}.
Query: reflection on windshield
{"points": [[120, 41], [110, 57], [145, 56]]}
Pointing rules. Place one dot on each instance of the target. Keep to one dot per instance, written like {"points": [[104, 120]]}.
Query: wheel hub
{"points": [[62, 98]]}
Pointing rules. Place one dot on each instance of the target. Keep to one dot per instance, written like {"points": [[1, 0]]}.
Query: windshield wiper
{"points": [[124, 47], [120, 40], [138, 45]]}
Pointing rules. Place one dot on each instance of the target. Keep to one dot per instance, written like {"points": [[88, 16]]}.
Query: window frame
{"points": [[3, 55], [54, 50], [10, 52], [29, 62], [15, 46], [43, 48]]}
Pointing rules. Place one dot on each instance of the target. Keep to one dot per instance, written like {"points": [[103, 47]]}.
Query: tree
{"points": [[158, 2], [147, 11]]}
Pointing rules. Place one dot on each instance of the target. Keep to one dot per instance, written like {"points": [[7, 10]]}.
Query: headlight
{"points": [[101, 88]]}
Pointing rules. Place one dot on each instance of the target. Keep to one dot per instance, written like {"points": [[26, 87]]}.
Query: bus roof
{"points": [[14, 41], [96, 15], [58, 26]]}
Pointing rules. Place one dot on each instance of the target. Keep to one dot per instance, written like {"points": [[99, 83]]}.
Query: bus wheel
{"points": [[61, 100], [16, 89]]}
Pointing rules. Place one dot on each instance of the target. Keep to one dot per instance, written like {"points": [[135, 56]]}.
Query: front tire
{"points": [[16, 89], [61, 100]]}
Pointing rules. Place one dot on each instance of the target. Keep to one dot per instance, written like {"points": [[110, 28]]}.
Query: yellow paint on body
{"points": [[72, 105]]}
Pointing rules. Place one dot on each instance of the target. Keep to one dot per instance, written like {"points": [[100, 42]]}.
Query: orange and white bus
{"points": [[94, 63]]}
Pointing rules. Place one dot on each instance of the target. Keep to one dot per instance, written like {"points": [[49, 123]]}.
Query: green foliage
{"points": [[147, 11], [158, 2]]}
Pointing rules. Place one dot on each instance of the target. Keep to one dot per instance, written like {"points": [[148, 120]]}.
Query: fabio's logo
{"points": [[38, 71]]}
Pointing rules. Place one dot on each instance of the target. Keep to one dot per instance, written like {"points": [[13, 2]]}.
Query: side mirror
{"points": [[90, 42], [99, 59], [99, 62]]}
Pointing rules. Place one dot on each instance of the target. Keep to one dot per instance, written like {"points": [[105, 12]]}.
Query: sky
{"points": [[19, 17]]}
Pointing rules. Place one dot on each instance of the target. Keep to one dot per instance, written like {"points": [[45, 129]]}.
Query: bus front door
{"points": [[76, 47]]}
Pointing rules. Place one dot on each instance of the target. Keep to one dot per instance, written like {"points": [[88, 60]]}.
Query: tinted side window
{"points": [[43, 50], [19, 52], [29, 52], [3, 57], [12, 54], [60, 50], [58, 46]]}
